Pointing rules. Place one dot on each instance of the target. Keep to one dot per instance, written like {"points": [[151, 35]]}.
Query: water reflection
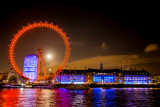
{"points": [[63, 97], [98, 97]]}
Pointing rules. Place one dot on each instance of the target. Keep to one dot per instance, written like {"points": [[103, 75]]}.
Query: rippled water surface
{"points": [[97, 97]]}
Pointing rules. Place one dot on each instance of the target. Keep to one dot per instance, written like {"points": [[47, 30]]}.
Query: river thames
{"points": [[96, 97]]}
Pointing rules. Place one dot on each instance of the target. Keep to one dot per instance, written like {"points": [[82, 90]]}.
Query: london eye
{"points": [[32, 26]]}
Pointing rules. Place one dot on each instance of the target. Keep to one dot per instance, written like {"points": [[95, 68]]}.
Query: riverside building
{"points": [[104, 76]]}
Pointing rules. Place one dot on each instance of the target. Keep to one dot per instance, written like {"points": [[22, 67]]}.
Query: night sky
{"points": [[118, 35]]}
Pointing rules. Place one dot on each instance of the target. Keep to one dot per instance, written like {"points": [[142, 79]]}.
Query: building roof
{"points": [[124, 72], [73, 72], [104, 70], [135, 72]]}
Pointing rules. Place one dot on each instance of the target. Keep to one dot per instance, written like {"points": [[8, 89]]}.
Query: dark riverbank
{"points": [[111, 86], [125, 85], [83, 85]]}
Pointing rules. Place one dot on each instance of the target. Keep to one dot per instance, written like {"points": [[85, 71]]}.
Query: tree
{"points": [[13, 79]]}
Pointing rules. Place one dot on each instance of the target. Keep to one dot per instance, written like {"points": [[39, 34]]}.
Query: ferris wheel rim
{"points": [[32, 26]]}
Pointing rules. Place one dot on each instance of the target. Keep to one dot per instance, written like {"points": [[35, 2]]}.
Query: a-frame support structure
{"points": [[40, 60]]}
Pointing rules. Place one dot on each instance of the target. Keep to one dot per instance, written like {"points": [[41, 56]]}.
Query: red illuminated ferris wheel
{"points": [[32, 26]]}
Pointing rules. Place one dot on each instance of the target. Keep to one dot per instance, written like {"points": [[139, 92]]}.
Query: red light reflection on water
{"points": [[35, 97], [9, 98]]}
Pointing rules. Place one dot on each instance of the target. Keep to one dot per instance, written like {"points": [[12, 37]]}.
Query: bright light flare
{"points": [[49, 56]]}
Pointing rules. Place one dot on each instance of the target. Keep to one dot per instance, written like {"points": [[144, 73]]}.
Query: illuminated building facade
{"points": [[136, 77], [71, 77], [105, 76], [104, 79], [30, 66], [156, 79]]}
